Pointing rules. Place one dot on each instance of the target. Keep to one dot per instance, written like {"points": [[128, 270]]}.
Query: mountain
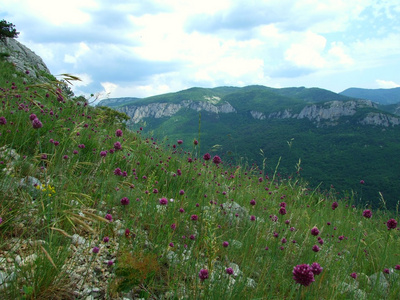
{"points": [[339, 140], [381, 96]]}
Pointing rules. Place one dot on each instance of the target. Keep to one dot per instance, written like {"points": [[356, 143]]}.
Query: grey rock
{"points": [[23, 58]]}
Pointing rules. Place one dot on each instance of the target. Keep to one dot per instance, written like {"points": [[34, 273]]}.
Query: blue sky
{"points": [[142, 48]]}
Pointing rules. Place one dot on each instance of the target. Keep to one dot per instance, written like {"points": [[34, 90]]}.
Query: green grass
{"points": [[164, 249]]}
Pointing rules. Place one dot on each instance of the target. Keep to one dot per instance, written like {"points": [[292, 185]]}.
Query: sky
{"points": [[140, 48]]}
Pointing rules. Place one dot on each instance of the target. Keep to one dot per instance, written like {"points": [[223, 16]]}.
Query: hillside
{"points": [[381, 96], [92, 210], [339, 140]]}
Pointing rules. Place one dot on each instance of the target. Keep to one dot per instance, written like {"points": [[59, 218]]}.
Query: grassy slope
{"points": [[82, 188]]}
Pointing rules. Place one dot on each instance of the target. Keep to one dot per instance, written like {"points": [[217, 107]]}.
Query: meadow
{"points": [[92, 210]]}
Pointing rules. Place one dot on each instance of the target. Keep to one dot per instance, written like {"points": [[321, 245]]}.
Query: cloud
{"points": [[387, 84]]}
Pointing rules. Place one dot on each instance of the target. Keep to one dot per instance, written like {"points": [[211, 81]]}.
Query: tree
{"points": [[7, 30]]}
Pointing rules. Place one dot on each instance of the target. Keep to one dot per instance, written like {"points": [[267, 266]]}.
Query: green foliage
{"points": [[7, 30]]}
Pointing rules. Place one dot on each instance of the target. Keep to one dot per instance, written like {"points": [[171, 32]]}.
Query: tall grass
{"points": [[160, 215]]}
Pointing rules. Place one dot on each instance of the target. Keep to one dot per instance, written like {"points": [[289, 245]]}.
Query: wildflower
{"points": [[32, 117], [118, 132], [195, 142], [334, 205], [108, 217], [303, 274], [194, 217], [216, 160], [252, 202], [284, 241], [207, 156], [386, 271], [43, 156], [203, 274], [3, 121], [397, 267], [103, 153], [225, 244], [181, 192], [192, 237], [181, 210], [65, 157], [173, 226], [315, 248], [127, 232], [1, 220], [282, 211], [229, 271], [367, 213], [171, 245], [353, 275], [320, 241], [75, 152], [282, 204], [125, 201], [163, 201], [362, 181], [36, 124], [106, 239], [110, 263], [252, 218], [316, 268], [391, 224], [180, 142], [314, 231], [117, 146], [96, 250], [118, 172]]}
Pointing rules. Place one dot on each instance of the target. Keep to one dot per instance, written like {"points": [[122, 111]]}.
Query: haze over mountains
{"points": [[339, 140]]}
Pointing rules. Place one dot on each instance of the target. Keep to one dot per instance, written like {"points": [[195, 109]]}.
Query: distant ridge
{"points": [[381, 96]]}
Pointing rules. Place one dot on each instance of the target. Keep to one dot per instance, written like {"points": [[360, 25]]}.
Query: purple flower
{"points": [[1, 220], [303, 274], [163, 201], [252, 218], [65, 156], [194, 217], [203, 274], [315, 248], [32, 117], [117, 146], [314, 231], [171, 245], [106, 239], [229, 271], [207, 156], [118, 172], [334, 205], [225, 244], [353, 275], [173, 226], [108, 217], [282, 211], [252, 202], [216, 160], [44, 156], [36, 124], [386, 271], [391, 224], [367, 213], [180, 142], [3, 121], [96, 250], [103, 153], [282, 204], [181, 192], [125, 201], [118, 132], [316, 268], [362, 181], [397, 267]]}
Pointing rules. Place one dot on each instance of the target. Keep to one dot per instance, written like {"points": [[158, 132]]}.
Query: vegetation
{"points": [[90, 208], [7, 30]]}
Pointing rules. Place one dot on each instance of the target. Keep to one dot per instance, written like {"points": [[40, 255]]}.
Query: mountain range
{"points": [[332, 140]]}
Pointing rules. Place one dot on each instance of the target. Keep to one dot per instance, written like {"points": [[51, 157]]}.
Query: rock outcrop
{"points": [[167, 109], [23, 58]]}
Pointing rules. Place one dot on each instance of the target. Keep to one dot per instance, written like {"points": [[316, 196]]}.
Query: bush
{"points": [[7, 30]]}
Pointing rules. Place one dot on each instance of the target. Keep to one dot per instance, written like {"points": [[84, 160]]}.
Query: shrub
{"points": [[7, 30]]}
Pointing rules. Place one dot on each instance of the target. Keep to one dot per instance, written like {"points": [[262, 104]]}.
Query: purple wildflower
{"points": [[108, 217], [316, 268], [95, 249], [194, 217], [225, 244], [106, 239], [216, 160], [180, 142], [229, 271], [367, 213], [315, 231], [118, 132], [32, 117], [3, 121], [103, 153], [117, 146], [353, 275], [303, 274], [163, 201], [36, 124], [391, 224], [207, 156], [315, 248], [125, 201], [118, 172], [335, 205], [203, 274], [282, 211]]}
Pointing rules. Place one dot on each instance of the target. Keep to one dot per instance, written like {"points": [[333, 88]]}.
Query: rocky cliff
{"points": [[23, 58]]}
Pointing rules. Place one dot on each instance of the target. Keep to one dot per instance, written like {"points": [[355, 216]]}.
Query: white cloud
{"points": [[308, 51], [387, 84]]}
